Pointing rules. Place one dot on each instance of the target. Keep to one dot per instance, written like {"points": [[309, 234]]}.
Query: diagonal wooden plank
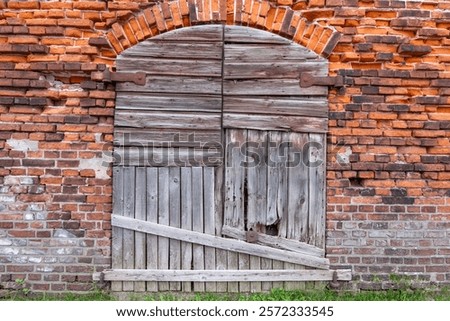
{"points": [[219, 242]]}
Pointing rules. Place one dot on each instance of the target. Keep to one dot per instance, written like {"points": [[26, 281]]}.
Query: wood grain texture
{"points": [[129, 178], [140, 214], [152, 216], [117, 233]]}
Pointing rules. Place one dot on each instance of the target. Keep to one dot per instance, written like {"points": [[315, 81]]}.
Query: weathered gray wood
{"points": [[262, 70], [271, 87], [128, 211], [165, 137], [271, 122], [175, 221], [174, 49], [265, 52], [177, 120], [317, 190], [298, 189], [244, 264], [221, 255], [171, 102], [295, 106], [164, 157], [275, 242], [277, 265], [117, 232], [152, 216], [197, 223], [282, 203], [175, 67], [266, 264], [223, 276], [218, 242], [186, 221], [210, 224], [273, 177], [257, 179], [140, 214], [234, 178], [163, 219], [179, 84], [238, 34], [203, 33]]}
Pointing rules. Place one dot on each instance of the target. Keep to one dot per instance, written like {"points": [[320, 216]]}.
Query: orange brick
{"points": [[79, 23], [89, 5], [129, 33], [160, 23], [176, 15], [144, 26]]}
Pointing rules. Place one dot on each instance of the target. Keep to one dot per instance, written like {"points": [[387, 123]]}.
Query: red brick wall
{"points": [[388, 160]]}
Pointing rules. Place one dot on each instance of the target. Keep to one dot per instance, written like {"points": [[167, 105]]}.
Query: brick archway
{"points": [[265, 15]]}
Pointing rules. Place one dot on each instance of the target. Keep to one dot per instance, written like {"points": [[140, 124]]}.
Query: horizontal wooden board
{"points": [[299, 106], [177, 120], [221, 275], [271, 70], [174, 50], [176, 138], [272, 122], [167, 157], [238, 34], [169, 102], [266, 53], [271, 87], [205, 33], [219, 242], [170, 84], [173, 67], [274, 241]]}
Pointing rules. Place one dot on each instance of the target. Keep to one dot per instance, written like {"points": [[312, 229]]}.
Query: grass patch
{"points": [[274, 295]]}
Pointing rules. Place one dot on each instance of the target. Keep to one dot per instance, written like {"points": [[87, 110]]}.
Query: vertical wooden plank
{"points": [[152, 216], [129, 182], [198, 222], [208, 198], [234, 192], [175, 221], [317, 196], [117, 232], [283, 195], [257, 191], [221, 255], [140, 214], [186, 222], [277, 265], [163, 218]]}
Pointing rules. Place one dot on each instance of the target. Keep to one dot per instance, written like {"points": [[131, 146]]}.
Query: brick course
{"points": [[388, 204]]}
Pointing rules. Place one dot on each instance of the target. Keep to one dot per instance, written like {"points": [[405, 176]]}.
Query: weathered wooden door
{"points": [[219, 175]]}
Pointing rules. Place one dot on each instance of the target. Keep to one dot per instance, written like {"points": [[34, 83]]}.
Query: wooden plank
{"points": [[234, 178], [164, 157], [281, 123], [210, 224], [298, 190], [277, 265], [270, 87], [223, 276], [175, 67], [275, 242], [170, 84], [201, 121], [152, 216], [203, 33], [175, 48], [197, 223], [221, 255], [265, 52], [163, 137], [199, 238], [169, 102], [140, 214], [128, 211], [117, 232], [175, 221], [266, 264], [263, 70], [282, 203], [238, 34], [273, 176], [295, 106], [163, 219], [317, 189], [186, 221]]}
